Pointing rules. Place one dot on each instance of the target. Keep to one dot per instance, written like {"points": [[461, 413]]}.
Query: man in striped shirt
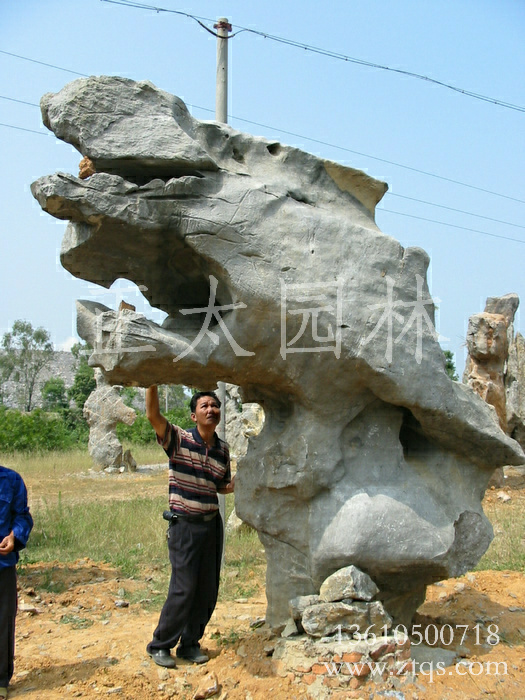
{"points": [[199, 469]]}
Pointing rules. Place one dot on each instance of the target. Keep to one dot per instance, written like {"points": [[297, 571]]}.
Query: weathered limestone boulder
{"points": [[495, 367], [348, 582], [350, 616], [103, 410], [299, 604], [341, 606], [276, 278], [489, 335], [243, 421], [515, 389]]}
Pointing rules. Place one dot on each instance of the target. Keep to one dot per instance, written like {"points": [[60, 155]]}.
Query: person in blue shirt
{"points": [[15, 525]]}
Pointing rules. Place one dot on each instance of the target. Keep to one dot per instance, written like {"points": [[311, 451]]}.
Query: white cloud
{"points": [[67, 344]]}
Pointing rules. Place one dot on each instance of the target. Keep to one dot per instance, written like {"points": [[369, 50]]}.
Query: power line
{"points": [[284, 131], [22, 102], [48, 65], [21, 128], [342, 148], [392, 194], [389, 211], [460, 211], [358, 61], [444, 223], [327, 52]]}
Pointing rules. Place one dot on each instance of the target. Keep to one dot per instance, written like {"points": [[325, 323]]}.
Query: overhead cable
{"points": [[330, 145], [444, 223], [49, 65], [325, 52], [367, 155]]}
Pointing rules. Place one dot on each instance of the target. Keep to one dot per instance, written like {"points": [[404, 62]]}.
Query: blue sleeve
{"points": [[22, 522]]}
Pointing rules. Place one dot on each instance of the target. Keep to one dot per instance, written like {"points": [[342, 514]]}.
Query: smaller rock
{"points": [[299, 604], [31, 609], [86, 168], [163, 674], [121, 604], [355, 617], [349, 582], [235, 524], [209, 686], [128, 461], [503, 497], [432, 656], [290, 629]]}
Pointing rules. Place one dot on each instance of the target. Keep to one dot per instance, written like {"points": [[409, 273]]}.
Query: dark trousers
{"points": [[8, 607], [195, 551]]}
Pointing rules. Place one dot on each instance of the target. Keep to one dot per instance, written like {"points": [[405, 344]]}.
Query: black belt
{"points": [[172, 516]]}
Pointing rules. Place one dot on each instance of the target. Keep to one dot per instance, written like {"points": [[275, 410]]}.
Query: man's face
{"points": [[207, 412]]}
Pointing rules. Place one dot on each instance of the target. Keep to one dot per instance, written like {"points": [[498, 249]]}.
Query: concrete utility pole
{"points": [[223, 28]]}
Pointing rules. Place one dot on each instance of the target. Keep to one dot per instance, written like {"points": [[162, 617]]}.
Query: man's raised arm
{"points": [[153, 413]]}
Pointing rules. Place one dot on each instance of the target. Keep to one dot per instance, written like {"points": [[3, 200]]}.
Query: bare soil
{"points": [[82, 632]]}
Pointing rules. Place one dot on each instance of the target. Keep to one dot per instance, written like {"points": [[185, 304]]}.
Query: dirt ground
{"points": [[88, 639]]}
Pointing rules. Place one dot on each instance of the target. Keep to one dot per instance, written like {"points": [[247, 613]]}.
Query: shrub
{"points": [[37, 430], [141, 432]]}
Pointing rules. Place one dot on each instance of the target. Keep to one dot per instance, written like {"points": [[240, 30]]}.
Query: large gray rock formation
{"points": [[276, 278]]}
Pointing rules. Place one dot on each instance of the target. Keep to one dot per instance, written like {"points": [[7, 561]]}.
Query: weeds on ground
{"points": [[507, 550]]}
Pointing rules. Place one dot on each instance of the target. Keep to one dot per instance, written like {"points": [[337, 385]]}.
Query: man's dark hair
{"points": [[198, 395]]}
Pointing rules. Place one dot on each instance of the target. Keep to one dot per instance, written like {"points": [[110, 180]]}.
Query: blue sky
{"points": [[364, 117]]}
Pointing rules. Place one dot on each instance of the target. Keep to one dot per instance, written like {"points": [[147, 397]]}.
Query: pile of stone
{"points": [[343, 605], [341, 637]]}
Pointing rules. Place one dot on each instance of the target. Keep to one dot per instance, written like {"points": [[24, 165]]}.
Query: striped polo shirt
{"points": [[195, 470]]}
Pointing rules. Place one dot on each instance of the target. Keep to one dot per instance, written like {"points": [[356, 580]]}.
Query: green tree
{"points": [[54, 394], [26, 351], [172, 396], [128, 395], [450, 366], [84, 382]]}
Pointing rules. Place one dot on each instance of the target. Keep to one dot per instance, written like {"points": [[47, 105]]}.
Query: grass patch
{"points": [[127, 534], [507, 550], [244, 566], [76, 622], [231, 637], [49, 464], [117, 519], [104, 520], [59, 463]]}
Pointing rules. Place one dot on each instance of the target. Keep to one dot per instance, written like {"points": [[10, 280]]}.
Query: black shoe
{"points": [[162, 657], [192, 653]]}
